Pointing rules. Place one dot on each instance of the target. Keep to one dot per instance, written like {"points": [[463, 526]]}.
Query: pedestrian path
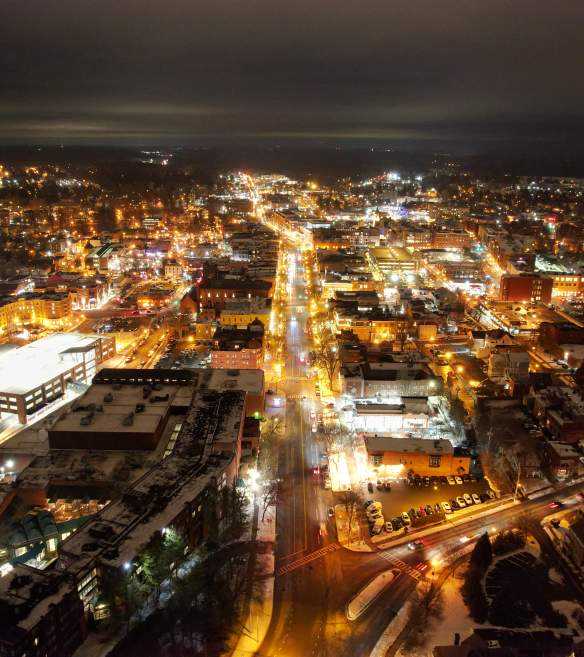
{"points": [[307, 558], [402, 565]]}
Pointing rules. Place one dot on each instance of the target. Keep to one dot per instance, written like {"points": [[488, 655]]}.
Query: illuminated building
{"points": [[389, 379], [242, 312], [236, 348], [34, 309], [214, 292], [373, 326], [41, 372], [399, 456], [525, 287]]}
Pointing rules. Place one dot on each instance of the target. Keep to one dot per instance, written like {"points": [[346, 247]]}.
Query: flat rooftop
{"points": [[155, 499], [106, 409], [28, 367], [523, 317], [27, 594], [387, 443], [250, 380]]}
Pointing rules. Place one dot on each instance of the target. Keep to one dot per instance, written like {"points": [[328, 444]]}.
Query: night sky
{"points": [[188, 72]]}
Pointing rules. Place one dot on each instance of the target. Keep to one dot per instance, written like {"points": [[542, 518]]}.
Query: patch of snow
{"points": [[555, 576], [456, 619], [392, 631], [359, 604], [569, 608]]}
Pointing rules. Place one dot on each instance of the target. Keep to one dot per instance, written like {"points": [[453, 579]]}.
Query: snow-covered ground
{"points": [[456, 619], [570, 609]]}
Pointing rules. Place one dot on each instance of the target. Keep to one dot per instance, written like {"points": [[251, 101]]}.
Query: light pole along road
{"points": [[315, 577]]}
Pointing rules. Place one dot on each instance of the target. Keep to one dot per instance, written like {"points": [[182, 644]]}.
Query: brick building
{"points": [[526, 287]]}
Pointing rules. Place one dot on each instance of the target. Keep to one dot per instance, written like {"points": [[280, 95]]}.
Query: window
{"points": [[434, 461], [375, 459]]}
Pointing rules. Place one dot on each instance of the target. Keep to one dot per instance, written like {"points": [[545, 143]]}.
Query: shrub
{"points": [[507, 541]]}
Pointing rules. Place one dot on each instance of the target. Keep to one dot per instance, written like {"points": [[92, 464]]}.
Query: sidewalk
{"points": [[357, 543], [261, 603]]}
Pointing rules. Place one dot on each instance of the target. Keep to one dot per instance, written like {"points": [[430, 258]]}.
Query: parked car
{"points": [[443, 481], [387, 486], [446, 507], [490, 493], [455, 505], [373, 517], [426, 481], [367, 503], [374, 506], [406, 519], [437, 508], [466, 479], [476, 499], [377, 526], [458, 480], [379, 484], [388, 526], [370, 487], [450, 480], [397, 524], [428, 509], [460, 501], [468, 499], [484, 497]]}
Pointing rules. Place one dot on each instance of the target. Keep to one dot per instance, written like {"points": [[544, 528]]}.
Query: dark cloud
{"points": [[182, 71]]}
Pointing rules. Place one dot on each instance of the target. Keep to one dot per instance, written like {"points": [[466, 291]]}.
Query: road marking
{"points": [[317, 554], [402, 565]]}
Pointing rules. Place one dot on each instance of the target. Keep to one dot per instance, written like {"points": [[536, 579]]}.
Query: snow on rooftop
{"points": [[28, 367]]}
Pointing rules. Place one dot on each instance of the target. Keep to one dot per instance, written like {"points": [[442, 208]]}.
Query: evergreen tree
{"points": [[482, 554]]}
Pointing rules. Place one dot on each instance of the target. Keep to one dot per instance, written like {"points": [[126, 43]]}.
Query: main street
{"points": [[315, 577]]}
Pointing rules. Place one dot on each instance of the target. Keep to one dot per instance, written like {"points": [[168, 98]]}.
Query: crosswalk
{"points": [[402, 565], [307, 558]]}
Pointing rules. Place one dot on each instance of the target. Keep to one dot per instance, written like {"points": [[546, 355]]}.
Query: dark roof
{"points": [[578, 529], [234, 284], [137, 376]]}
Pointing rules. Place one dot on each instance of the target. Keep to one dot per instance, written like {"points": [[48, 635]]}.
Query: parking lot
{"points": [[404, 496]]}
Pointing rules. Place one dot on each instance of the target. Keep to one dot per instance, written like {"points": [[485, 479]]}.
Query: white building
{"points": [[35, 375]]}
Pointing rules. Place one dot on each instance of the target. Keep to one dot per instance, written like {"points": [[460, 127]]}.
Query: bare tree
{"points": [[271, 433], [331, 443], [270, 496], [326, 355], [350, 499]]}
